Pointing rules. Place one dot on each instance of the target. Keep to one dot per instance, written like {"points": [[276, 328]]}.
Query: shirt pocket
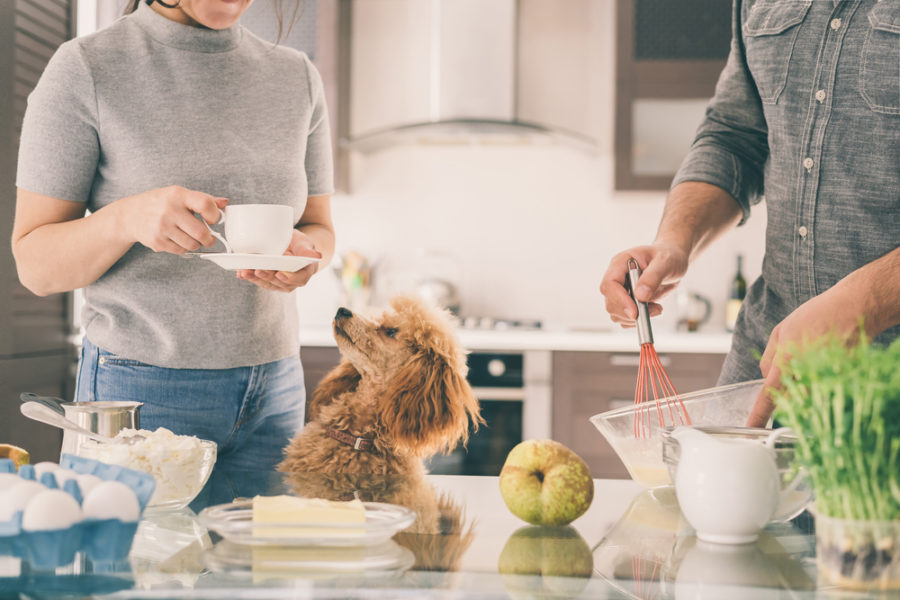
{"points": [[879, 66], [770, 31]]}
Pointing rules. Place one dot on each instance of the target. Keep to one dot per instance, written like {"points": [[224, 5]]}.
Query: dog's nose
{"points": [[343, 313]]}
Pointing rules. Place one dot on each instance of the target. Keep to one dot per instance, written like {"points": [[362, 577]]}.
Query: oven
{"points": [[513, 390]]}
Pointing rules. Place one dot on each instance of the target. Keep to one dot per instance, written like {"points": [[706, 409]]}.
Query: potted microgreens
{"points": [[844, 402]]}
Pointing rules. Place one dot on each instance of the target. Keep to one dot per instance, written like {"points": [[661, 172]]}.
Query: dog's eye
{"points": [[391, 332]]}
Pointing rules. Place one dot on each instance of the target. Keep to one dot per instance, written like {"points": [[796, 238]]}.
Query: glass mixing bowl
{"points": [[180, 472], [643, 457]]}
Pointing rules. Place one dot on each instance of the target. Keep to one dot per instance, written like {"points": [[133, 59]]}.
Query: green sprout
{"points": [[844, 404]]}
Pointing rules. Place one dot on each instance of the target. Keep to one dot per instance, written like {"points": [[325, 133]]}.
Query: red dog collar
{"points": [[343, 437]]}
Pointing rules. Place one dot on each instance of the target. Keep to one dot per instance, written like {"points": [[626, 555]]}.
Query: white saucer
{"points": [[265, 262]]}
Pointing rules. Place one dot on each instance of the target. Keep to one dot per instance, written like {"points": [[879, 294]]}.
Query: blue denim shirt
{"points": [[807, 114]]}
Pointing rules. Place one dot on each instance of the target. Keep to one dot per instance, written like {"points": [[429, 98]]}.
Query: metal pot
{"points": [[439, 292], [105, 418]]}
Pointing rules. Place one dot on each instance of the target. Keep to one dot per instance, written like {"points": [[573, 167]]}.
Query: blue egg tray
{"points": [[103, 540]]}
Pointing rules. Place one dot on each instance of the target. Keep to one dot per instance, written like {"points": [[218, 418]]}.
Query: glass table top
{"points": [[464, 542]]}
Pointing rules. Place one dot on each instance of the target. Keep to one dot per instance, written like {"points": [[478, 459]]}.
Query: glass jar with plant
{"points": [[844, 402]]}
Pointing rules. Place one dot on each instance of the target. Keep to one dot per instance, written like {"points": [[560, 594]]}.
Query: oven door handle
{"points": [[499, 393]]}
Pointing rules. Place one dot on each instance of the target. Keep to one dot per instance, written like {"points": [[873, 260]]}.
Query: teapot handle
{"points": [[799, 477]]}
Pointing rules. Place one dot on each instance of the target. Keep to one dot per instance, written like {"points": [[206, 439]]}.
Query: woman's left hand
{"points": [[285, 281]]}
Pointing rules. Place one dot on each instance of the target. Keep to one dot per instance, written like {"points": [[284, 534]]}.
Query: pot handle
{"points": [[55, 404]]}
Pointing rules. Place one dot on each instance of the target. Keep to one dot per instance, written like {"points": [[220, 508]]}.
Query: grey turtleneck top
{"points": [[147, 103]]}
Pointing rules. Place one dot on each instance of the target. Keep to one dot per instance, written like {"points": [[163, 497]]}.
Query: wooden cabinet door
{"points": [[317, 361], [589, 383], [35, 352]]}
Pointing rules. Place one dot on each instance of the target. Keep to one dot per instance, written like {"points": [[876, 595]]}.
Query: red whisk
{"points": [[652, 375]]}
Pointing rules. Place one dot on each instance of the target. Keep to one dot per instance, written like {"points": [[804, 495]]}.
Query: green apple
{"points": [[542, 561], [545, 483]]}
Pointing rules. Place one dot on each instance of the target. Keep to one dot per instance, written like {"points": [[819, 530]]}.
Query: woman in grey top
{"points": [[174, 111]]}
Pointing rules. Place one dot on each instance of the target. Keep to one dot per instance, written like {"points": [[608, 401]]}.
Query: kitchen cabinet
{"points": [[36, 354], [668, 59], [317, 361], [587, 383]]}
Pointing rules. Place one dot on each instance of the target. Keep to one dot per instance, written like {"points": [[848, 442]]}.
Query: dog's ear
{"points": [[427, 405], [342, 378]]}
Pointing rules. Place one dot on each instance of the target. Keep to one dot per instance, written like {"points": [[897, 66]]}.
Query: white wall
{"points": [[532, 226]]}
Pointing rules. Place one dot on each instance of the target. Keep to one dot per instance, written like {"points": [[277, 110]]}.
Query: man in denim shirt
{"points": [[807, 114]]}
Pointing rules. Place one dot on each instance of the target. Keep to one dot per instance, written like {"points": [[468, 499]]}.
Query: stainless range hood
{"points": [[467, 71]]}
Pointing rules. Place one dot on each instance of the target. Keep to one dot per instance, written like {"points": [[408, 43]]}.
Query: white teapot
{"points": [[729, 489]]}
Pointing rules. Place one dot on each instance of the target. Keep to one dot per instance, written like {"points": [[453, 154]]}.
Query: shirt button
{"points": [[820, 95], [802, 231], [835, 24], [808, 163]]}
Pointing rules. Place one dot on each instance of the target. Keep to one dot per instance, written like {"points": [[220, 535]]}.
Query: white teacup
{"points": [[257, 228]]}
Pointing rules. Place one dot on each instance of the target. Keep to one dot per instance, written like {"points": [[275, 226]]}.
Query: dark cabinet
{"points": [[317, 361], [35, 352], [668, 57], [588, 383]]}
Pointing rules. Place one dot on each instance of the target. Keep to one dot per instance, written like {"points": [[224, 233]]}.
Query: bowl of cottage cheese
{"points": [[180, 464]]}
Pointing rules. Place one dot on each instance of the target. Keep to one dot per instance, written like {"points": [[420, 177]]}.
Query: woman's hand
{"points": [[163, 219], [284, 281], [662, 267]]}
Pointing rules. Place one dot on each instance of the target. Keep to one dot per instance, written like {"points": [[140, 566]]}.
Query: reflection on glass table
{"points": [[261, 563], [651, 552], [168, 549]]}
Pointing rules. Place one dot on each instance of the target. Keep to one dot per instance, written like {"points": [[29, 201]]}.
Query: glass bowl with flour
{"points": [[180, 464]]}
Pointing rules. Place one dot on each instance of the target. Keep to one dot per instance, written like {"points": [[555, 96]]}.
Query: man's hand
{"points": [[835, 311], [695, 214], [663, 267], [284, 281], [868, 296]]}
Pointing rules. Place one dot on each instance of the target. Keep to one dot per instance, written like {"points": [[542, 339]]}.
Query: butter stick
{"points": [[316, 513]]}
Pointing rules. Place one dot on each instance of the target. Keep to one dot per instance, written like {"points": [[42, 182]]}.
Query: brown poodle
{"points": [[399, 395]]}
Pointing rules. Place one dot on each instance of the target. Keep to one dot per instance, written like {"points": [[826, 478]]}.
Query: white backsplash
{"points": [[533, 228]]}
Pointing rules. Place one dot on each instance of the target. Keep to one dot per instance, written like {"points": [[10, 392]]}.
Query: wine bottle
{"points": [[736, 293]]}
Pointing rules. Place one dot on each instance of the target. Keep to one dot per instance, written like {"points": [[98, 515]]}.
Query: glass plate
{"points": [[234, 522], [387, 557]]}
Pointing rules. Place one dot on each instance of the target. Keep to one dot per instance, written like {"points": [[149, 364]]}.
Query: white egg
{"points": [[15, 498], [6, 512], [112, 500], [44, 467], [51, 510], [7, 480], [86, 482], [63, 475]]}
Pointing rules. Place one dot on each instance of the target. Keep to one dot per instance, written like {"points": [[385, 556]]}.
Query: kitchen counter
{"points": [[465, 543], [566, 340]]}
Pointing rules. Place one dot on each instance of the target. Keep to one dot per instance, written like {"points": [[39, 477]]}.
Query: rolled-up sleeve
{"points": [[731, 145]]}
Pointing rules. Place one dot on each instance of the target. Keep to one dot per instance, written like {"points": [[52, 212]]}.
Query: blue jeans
{"points": [[251, 413]]}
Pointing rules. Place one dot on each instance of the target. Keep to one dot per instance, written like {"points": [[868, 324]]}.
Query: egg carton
{"points": [[103, 540]]}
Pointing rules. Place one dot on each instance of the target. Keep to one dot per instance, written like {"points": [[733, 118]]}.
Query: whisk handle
{"points": [[645, 334]]}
